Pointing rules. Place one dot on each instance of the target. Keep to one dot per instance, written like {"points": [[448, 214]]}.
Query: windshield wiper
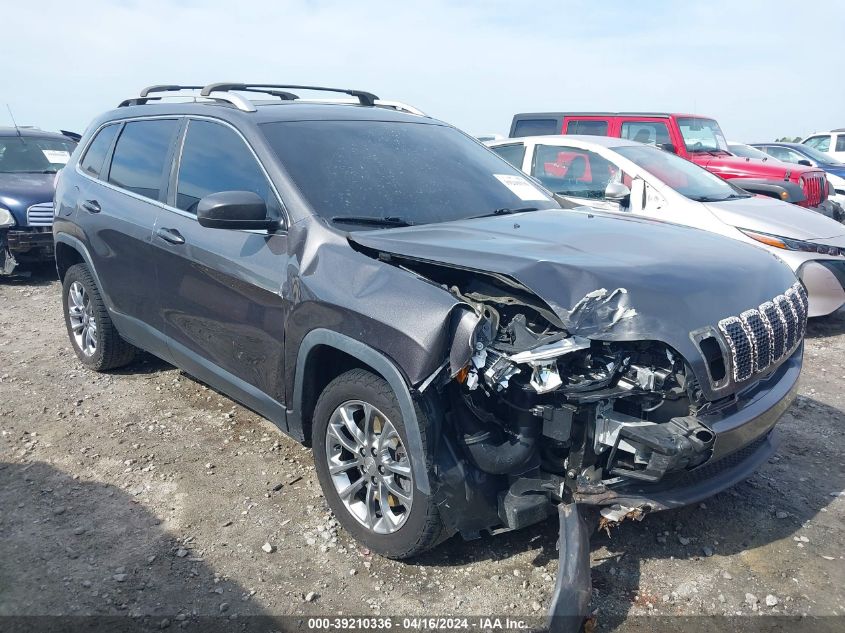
{"points": [[503, 211], [390, 220], [732, 196]]}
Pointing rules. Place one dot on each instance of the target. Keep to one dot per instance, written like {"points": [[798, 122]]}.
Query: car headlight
{"points": [[789, 244], [6, 218]]}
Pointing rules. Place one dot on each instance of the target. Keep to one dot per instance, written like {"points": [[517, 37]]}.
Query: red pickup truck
{"points": [[696, 138]]}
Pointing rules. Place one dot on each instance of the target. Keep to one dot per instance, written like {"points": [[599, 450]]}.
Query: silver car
{"points": [[619, 175]]}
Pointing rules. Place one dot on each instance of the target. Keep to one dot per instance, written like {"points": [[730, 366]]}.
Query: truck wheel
{"points": [[92, 333], [364, 467]]}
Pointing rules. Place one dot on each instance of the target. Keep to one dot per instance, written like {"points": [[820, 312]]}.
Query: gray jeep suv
{"points": [[462, 354]]}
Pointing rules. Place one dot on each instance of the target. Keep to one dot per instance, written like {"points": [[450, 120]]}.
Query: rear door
{"points": [[121, 199], [220, 289]]}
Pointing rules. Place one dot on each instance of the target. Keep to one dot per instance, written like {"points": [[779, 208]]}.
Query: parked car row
{"points": [[698, 139], [29, 161], [623, 176], [469, 342]]}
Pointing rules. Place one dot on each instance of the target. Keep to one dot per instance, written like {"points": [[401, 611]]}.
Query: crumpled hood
{"points": [[776, 217], [675, 279], [20, 191]]}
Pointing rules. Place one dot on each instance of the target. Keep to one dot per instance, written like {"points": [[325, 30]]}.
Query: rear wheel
{"points": [[92, 334], [366, 470]]}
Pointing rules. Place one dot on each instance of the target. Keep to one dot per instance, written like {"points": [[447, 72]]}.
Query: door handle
{"points": [[170, 235], [91, 206]]}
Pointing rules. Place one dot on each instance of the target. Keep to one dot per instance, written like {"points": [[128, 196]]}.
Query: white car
{"points": [[623, 176], [832, 143]]}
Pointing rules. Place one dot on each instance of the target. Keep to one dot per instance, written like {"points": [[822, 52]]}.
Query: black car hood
{"points": [[673, 280], [18, 191]]}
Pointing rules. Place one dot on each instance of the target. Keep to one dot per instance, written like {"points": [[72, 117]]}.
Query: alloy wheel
{"points": [[369, 466], [83, 325]]}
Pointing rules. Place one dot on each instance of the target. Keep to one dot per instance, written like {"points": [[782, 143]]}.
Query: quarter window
{"points": [[140, 156], [536, 127], [95, 155], [590, 128], [514, 154], [215, 159]]}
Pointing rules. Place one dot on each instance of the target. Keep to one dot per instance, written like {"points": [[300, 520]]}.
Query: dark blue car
{"points": [[805, 155], [29, 161]]}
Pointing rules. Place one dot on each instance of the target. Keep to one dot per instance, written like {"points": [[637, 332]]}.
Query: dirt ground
{"points": [[144, 493]]}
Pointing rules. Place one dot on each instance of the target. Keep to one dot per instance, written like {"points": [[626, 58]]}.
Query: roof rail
{"points": [[227, 92], [365, 98], [144, 97]]}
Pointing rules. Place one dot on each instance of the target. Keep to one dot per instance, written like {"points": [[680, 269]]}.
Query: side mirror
{"points": [[244, 210], [668, 147], [805, 162], [616, 192]]}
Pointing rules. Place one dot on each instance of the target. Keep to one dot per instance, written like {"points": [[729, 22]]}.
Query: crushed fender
{"points": [[573, 588]]}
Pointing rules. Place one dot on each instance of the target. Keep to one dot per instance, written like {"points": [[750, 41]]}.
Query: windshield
{"points": [[685, 177], [746, 151], [819, 157], [34, 155], [702, 135], [397, 173]]}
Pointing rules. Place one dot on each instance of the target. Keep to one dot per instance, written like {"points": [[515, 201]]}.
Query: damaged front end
{"points": [[529, 392]]}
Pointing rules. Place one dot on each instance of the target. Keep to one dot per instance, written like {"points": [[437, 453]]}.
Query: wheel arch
{"points": [[69, 251], [66, 256], [321, 346]]}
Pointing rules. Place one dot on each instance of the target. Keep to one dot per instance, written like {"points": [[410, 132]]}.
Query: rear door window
{"points": [[514, 154], [95, 155], [573, 171], [140, 156], [536, 127], [840, 143], [648, 132], [589, 127], [215, 159]]}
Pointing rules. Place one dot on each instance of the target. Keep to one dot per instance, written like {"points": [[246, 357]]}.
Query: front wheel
{"points": [[365, 469]]}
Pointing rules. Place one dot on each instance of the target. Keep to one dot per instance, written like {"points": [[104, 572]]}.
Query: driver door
{"points": [[220, 289]]}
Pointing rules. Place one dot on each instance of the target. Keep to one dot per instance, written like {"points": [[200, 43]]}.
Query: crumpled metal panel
{"points": [[662, 281]]}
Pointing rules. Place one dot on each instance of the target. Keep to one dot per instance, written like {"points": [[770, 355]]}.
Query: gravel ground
{"points": [[143, 492]]}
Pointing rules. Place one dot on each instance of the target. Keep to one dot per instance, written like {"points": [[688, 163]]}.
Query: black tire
{"points": [[423, 527], [111, 350]]}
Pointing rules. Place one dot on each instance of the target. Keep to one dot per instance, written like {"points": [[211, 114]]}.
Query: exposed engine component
{"points": [[528, 378]]}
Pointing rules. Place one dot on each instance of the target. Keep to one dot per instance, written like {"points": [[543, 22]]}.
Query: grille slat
{"points": [[40, 214], [761, 337]]}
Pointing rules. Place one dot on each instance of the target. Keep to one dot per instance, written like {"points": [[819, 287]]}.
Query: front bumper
{"points": [[745, 438], [28, 243]]}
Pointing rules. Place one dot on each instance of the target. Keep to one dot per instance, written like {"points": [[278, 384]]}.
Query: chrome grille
{"points": [[763, 336], [40, 214]]}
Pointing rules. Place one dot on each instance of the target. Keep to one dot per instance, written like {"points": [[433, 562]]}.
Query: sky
{"points": [[764, 69]]}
